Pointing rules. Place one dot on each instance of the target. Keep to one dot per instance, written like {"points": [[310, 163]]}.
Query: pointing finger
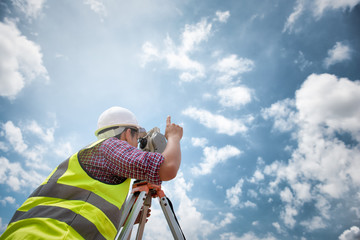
{"points": [[168, 120]]}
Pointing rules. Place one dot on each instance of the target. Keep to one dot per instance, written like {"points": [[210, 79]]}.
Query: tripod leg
{"points": [[125, 209], [125, 232], [171, 219], [146, 206]]}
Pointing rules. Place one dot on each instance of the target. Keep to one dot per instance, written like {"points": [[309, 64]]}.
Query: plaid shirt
{"points": [[114, 160]]}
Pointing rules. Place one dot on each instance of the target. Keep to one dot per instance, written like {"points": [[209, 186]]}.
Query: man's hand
{"points": [[138, 218], [172, 152], [172, 130]]}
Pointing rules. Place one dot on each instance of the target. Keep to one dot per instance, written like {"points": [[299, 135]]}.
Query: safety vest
{"points": [[70, 204]]}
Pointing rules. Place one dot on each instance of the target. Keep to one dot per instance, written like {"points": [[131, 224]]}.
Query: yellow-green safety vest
{"points": [[70, 204]]}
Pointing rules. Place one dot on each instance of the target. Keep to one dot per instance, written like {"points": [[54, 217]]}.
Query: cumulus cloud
{"points": [[46, 135], [199, 142], [20, 61], [41, 139], [213, 156], [326, 99], [179, 56], [14, 175], [231, 66], [235, 97], [218, 122], [14, 135], [283, 113], [233, 194], [31, 8], [258, 176], [323, 165], [339, 53], [222, 16], [7, 200], [351, 234], [278, 228], [314, 224], [194, 225]]}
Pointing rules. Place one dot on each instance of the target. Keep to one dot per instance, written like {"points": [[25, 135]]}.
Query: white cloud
{"points": [[321, 5], [302, 62], [16, 177], [178, 57], [314, 224], [323, 166], [317, 7], [351, 234], [222, 16], [339, 53], [98, 7], [199, 142], [63, 149], [46, 135], [194, 34], [286, 195], [326, 99], [20, 61], [231, 66], [258, 176], [214, 156], [235, 96], [248, 204], [194, 225], [246, 236], [278, 228], [14, 135], [283, 113], [294, 16], [233, 194], [288, 215], [7, 200], [229, 218], [218, 122], [31, 8], [33, 153]]}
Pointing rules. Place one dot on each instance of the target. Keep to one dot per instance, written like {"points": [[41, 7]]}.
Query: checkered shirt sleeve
{"points": [[122, 159]]}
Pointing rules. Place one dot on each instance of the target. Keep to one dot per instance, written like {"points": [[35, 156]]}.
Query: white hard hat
{"points": [[115, 118]]}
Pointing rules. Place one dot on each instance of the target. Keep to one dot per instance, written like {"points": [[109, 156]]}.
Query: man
{"points": [[82, 197]]}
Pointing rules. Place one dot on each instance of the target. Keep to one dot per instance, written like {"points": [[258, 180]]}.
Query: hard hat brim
{"points": [[116, 125]]}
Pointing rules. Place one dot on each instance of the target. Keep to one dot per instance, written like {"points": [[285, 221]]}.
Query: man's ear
{"points": [[128, 135], [124, 135]]}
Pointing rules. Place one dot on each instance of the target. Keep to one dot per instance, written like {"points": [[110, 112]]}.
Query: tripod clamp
{"points": [[140, 198]]}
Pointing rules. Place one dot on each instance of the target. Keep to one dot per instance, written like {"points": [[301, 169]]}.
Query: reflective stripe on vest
{"points": [[70, 196]]}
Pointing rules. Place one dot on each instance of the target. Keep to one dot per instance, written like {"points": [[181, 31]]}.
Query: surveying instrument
{"points": [[142, 194]]}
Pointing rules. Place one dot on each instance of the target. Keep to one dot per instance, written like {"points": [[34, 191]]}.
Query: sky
{"points": [[268, 94]]}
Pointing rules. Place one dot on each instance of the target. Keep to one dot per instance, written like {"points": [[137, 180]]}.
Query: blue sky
{"points": [[268, 94]]}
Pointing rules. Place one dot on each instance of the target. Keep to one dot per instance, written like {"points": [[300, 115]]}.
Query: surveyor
{"points": [[82, 197]]}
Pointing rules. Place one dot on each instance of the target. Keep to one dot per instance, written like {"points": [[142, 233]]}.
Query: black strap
{"points": [[172, 209]]}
